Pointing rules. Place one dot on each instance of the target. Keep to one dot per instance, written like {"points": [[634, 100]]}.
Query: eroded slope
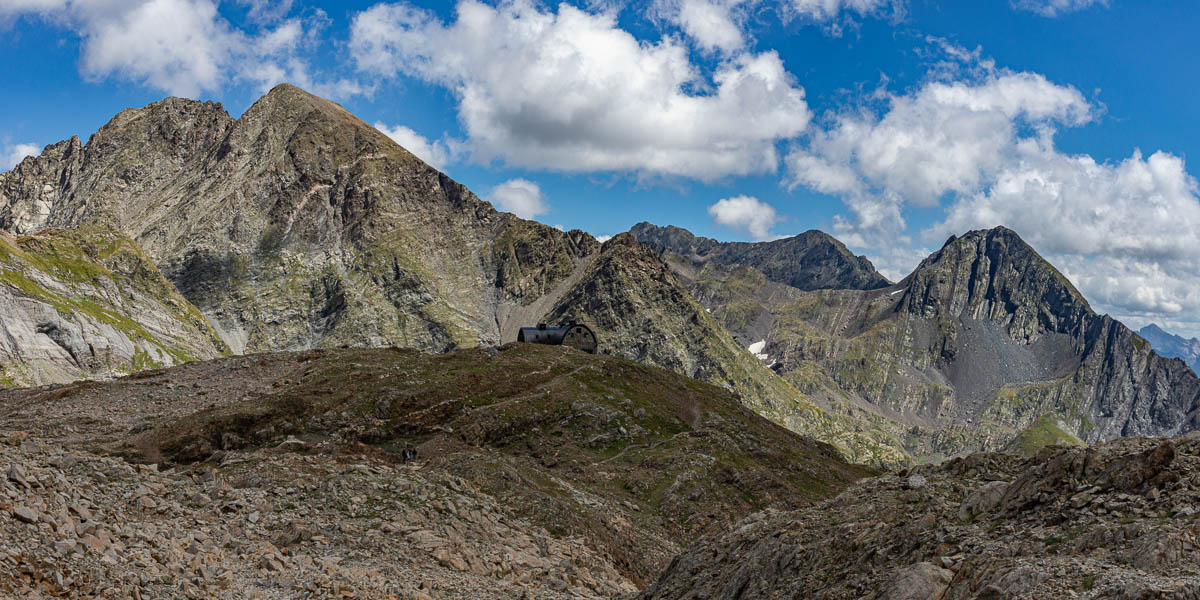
{"points": [[642, 312], [89, 303]]}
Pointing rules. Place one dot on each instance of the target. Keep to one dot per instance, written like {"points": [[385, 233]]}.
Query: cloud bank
{"points": [[520, 197], [185, 47], [746, 214], [437, 154], [10, 156], [1055, 8], [571, 91]]}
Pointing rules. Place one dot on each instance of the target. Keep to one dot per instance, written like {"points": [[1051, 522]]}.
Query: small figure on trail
{"points": [[408, 454]]}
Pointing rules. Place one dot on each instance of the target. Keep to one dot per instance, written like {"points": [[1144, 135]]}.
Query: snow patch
{"points": [[757, 350]]}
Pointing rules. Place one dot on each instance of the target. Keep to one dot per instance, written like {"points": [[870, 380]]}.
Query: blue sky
{"points": [[888, 123]]}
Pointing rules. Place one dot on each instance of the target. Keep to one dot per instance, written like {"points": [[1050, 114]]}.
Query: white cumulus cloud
{"points": [[266, 11], [10, 156], [1126, 232], [184, 47], [1054, 8], [711, 24], [946, 137], [520, 197], [571, 91], [747, 214], [437, 154], [824, 10], [722, 24]]}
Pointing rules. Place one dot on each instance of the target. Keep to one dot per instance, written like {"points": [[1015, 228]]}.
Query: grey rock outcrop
{"points": [[88, 303], [812, 260], [919, 582], [298, 225], [1112, 521]]}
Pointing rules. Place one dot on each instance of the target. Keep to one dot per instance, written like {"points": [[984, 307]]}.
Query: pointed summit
{"points": [[287, 97], [1171, 345], [298, 225], [993, 274]]}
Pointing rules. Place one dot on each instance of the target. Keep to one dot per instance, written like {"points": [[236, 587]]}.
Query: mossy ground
{"points": [[573, 440], [1045, 431]]}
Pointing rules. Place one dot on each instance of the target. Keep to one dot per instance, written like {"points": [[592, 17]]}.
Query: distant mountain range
{"points": [[178, 232], [984, 341], [813, 260], [1173, 346]]}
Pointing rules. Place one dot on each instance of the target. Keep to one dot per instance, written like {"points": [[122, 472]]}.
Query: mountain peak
{"points": [[286, 100], [1152, 328], [809, 261], [996, 243], [287, 88], [995, 275], [1171, 345], [290, 95]]}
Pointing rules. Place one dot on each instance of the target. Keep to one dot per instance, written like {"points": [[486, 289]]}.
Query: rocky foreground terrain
{"points": [[542, 472], [1115, 521]]}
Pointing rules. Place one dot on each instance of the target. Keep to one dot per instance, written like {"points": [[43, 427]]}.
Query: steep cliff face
{"points": [[812, 260], [1098, 373], [298, 225], [642, 312], [995, 276], [88, 303], [983, 340]]}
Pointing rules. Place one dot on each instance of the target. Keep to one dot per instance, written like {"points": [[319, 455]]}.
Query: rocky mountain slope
{"points": [[541, 471], [977, 345], [1115, 521], [1172, 346], [298, 225], [643, 313], [813, 260], [88, 303]]}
